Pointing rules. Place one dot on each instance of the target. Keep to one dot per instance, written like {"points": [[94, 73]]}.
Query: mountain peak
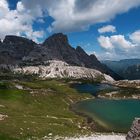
{"points": [[59, 35], [59, 38], [92, 56], [12, 39], [79, 49]]}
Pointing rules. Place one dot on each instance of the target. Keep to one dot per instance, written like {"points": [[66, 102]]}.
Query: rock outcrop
{"points": [[134, 133], [128, 83], [60, 69], [3, 117]]}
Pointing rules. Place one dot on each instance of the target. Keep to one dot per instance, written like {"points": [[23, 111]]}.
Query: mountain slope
{"points": [[23, 52], [14, 48], [60, 69]]}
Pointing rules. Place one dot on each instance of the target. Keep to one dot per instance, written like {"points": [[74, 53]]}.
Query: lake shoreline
{"points": [[98, 126], [100, 137], [98, 132], [91, 122]]}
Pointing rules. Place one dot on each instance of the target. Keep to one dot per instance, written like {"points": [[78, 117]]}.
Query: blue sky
{"points": [[110, 30]]}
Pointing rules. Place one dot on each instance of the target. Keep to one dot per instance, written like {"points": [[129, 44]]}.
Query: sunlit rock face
{"points": [[128, 83], [60, 69]]}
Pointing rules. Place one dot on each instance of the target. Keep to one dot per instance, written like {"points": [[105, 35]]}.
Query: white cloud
{"points": [[108, 28], [105, 42], [35, 35], [135, 37], [3, 8], [77, 15], [118, 47], [115, 41], [68, 15], [17, 22], [109, 56], [20, 6], [120, 41]]}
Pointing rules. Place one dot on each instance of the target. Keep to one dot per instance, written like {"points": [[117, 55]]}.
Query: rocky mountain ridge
{"points": [[20, 51]]}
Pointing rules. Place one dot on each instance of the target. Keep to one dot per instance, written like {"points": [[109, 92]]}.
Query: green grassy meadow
{"points": [[40, 109]]}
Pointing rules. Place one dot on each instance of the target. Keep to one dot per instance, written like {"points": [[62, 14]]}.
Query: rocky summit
{"points": [[19, 51], [14, 48]]}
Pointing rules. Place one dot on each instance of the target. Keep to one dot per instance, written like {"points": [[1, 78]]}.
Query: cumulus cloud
{"points": [[77, 15], [17, 22], [118, 47], [3, 8], [108, 28], [115, 41], [105, 42], [73, 15], [135, 37], [68, 15]]}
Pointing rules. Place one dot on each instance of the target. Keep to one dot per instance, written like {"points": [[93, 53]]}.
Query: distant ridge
{"points": [[127, 68]]}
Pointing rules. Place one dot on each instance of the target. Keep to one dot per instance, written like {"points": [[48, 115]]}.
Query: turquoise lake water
{"points": [[113, 115], [93, 88]]}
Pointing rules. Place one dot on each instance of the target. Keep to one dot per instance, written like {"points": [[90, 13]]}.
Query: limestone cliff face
{"points": [[60, 69], [20, 51]]}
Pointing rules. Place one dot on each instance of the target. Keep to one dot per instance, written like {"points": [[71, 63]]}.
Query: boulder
{"points": [[134, 133]]}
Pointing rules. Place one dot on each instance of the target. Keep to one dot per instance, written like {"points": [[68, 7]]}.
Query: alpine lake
{"points": [[113, 115]]}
